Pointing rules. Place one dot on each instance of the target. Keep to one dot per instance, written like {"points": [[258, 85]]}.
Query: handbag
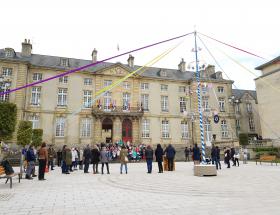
{"points": [[125, 159], [46, 169]]}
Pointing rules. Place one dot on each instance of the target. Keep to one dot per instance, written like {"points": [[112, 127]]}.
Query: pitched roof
{"points": [[239, 93], [268, 63]]}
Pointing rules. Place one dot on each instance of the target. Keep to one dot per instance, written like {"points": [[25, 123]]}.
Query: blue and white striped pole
{"points": [[199, 104]]}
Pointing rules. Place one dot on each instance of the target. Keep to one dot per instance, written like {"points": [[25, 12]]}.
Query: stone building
{"points": [[267, 86], [157, 106]]}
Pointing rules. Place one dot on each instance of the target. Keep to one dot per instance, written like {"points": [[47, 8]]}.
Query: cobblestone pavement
{"points": [[248, 189]]}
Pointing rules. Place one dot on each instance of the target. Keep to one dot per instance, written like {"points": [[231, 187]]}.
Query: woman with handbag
{"points": [[123, 158]]}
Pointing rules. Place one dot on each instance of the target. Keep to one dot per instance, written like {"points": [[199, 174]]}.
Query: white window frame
{"points": [[37, 76], [145, 101], [208, 131], [222, 105], [126, 101], [60, 127], [34, 119], [62, 97], [144, 86], [86, 128], [224, 128], [146, 128], [63, 80], [87, 99], [237, 108], [221, 89], [35, 96], [164, 103], [183, 104], [164, 87], [107, 83], [205, 104], [165, 129], [126, 85], [249, 107], [87, 81], [7, 72], [184, 130], [107, 101], [237, 121], [182, 89], [251, 124]]}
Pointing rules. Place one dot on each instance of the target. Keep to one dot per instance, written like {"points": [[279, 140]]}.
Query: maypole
{"points": [[199, 103]]}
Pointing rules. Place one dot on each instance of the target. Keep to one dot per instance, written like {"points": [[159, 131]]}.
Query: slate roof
{"points": [[55, 62], [268, 63], [239, 93]]}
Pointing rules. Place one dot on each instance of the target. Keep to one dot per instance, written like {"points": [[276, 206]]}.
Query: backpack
{"points": [[7, 166]]}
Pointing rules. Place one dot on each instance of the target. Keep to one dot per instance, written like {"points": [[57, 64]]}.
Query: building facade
{"points": [[267, 86], [156, 106]]}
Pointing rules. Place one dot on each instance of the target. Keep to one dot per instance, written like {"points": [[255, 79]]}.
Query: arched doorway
{"points": [[127, 130], [107, 130]]}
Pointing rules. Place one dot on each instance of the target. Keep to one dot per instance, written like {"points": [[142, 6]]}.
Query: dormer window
{"points": [[64, 62], [9, 52], [162, 73]]}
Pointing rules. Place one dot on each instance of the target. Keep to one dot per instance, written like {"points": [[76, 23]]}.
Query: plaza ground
{"points": [[248, 189]]}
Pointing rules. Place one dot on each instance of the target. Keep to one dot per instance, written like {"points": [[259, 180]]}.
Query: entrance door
{"points": [[127, 130], [107, 130]]}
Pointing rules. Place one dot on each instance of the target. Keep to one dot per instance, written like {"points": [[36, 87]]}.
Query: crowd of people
{"points": [[71, 159]]}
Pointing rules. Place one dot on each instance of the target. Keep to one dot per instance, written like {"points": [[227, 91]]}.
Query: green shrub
{"points": [[266, 149], [8, 119], [37, 135], [243, 139], [24, 133]]}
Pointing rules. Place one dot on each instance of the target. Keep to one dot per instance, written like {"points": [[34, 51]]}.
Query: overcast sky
{"points": [[73, 28]]}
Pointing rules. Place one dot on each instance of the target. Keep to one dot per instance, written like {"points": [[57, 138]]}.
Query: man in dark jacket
{"points": [[214, 155], [159, 154], [30, 158], [232, 153], [87, 157], [149, 158], [170, 154]]}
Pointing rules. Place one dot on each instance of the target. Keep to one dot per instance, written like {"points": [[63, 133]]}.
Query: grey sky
{"points": [[73, 28]]}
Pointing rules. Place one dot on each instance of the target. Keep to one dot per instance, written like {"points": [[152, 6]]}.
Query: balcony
{"points": [[117, 111]]}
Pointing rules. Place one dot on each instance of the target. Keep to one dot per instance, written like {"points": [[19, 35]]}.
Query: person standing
{"points": [[74, 159], [245, 155], [149, 158], [187, 154], [59, 157], [68, 160], [218, 164], [95, 157], [170, 154], [196, 155], [30, 158], [236, 158], [63, 159], [123, 158], [51, 154], [43, 160], [81, 159], [214, 156], [159, 157], [227, 157], [104, 157], [232, 153], [87, 157]]}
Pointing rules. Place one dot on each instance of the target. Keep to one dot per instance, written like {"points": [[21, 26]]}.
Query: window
{"points": [[62, 97], [145, 102], [64, 62], [208, 131], [205, 105], [204, 88], [107, 83], [165, 129], [164, 103], [249, 107], [37, 76], [146, 128], [222, 104], [224, 128], [251, 124], [35, 121], [86, 127], [237, 124], [4, 87], [63, 80], [126, 85], [220, 89], [237, 108], [8, 53], [107, 101], [126, 101], [184, 130], [182, 89], [7, 72], [35, 95], [87, 98], [87, 81], [163, 87], [183, 105], [60, 127], [144, 86]]}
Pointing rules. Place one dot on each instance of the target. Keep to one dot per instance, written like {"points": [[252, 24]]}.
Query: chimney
{"points": [[182, 65], [26, 49], [130, 61], [210, 70], [94, 55]]}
